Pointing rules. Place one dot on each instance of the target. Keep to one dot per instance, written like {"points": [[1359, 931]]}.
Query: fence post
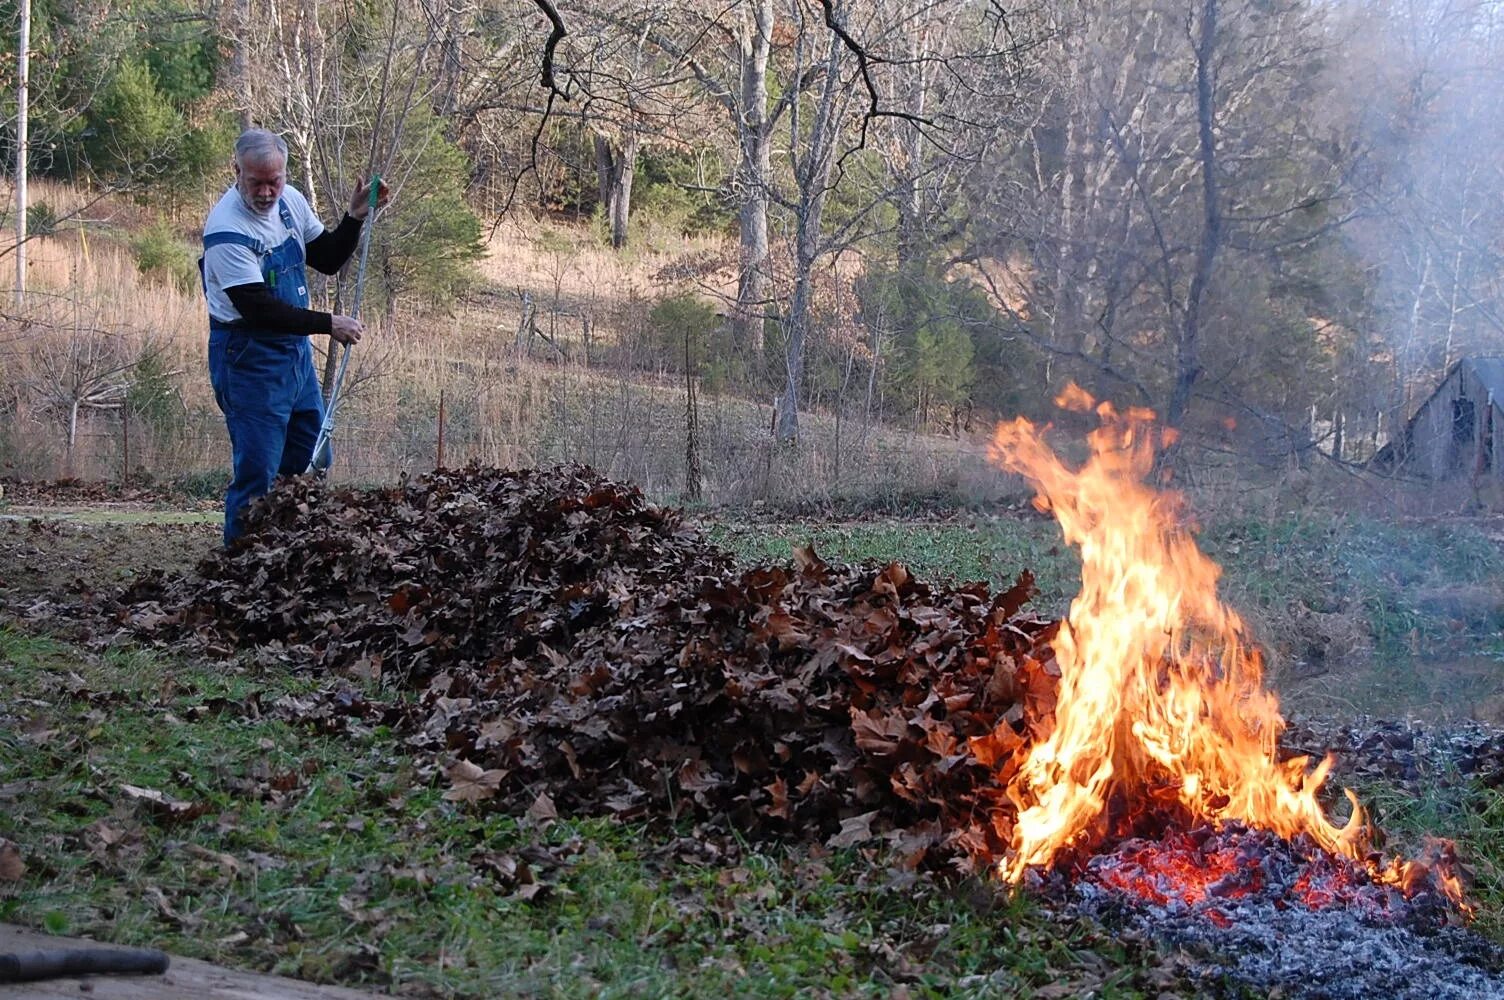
{"points": [[125, 463], [439, 462]]}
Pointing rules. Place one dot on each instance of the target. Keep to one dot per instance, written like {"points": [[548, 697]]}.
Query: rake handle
{"points": [[326, 432]]}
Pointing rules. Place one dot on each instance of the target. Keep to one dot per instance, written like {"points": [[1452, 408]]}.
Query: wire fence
{"points": [[643, 441], [641, 437]]}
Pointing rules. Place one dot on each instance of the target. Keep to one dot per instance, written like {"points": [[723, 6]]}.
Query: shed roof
{"points": [[1489, 371]]}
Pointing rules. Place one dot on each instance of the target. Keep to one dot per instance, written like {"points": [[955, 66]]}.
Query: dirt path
{"points": [[185, 979], [50, 553]]}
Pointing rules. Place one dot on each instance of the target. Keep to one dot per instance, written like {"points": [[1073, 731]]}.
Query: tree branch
{"points": [[554, 38]]}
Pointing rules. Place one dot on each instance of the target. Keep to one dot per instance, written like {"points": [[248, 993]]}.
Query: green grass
{"points": [[1472, 817], [334, 857]]}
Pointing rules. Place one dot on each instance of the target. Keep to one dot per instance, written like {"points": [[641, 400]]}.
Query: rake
{"points": [[321, 453]]}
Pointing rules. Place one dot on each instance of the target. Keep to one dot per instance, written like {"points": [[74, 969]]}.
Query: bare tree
{"points": [[75, 364], [1175, 170], [345, 98], [1432, 201], [813, 159], [631, 95]]}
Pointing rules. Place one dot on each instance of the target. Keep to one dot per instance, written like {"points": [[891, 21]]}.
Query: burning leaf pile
{"points": [[557, 644], [567, 646], [1163, 722]]}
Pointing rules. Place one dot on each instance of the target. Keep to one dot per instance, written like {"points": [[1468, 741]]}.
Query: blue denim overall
{"points": [[264, 382]]}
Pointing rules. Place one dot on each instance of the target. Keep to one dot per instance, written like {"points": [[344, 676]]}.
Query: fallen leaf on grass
{"points": [[38, 734], [11, 866], [164, 907], [542, 810], [472, 783], [351, 905], [854, 830], [229, 866], [164, 806], [495, 732], [504, 867], [105, 839]]}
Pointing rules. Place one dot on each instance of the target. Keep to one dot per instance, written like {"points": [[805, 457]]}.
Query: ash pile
{"points": [[1246, 911]]}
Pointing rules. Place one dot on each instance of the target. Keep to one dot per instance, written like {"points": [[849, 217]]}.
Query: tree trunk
{"points": [[614, 171], [240, 63], [911, 249], [72, 438], [1062, 319], [814, 182], [753, 177], [692, 474], [1187, 359]]}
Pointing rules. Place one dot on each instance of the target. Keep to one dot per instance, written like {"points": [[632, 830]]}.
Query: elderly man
{"points": [[256, 242]]}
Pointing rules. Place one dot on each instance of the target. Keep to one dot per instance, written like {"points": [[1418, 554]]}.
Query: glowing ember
{"points": [[1210, 870], [1162, 721]]}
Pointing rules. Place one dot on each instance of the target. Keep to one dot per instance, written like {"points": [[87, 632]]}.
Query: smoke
{"points": [[1424, 77]]}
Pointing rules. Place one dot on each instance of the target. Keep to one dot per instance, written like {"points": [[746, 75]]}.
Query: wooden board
{"points": [[185, 979]]}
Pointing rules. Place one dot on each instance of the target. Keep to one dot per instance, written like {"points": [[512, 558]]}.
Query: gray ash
{"points": [[1246, 910]]}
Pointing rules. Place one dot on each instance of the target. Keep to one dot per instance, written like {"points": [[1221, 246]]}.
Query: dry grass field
{"points": [[585, 380]]}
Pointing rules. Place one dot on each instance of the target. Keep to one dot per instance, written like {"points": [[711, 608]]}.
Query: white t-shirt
{"points": [[228, 265]]}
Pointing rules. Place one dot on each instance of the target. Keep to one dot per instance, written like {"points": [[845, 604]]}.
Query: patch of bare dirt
{"points": [[74, 492], [49, 555]]}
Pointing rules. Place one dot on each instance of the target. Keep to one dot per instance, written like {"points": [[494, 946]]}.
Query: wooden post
{"points": [[23, 63], [691, 426], [767, 469], [125, 434], [1483, 429], [439, 460]]}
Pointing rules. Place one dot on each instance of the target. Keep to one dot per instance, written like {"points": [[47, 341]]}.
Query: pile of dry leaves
{"points": [[553, 640]]}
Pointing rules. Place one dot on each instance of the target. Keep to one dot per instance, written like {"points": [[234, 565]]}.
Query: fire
{"points": [[1161, 710]]}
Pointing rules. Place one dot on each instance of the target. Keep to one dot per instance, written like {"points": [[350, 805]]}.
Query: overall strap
{"points": [[234, 239], [286, 215]]}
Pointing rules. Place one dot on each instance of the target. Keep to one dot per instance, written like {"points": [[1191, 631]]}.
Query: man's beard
{"points": [[258, 205]]}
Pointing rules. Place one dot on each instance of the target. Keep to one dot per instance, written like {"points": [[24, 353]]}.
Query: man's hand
{"points": [[360, 201], [346, 330]]}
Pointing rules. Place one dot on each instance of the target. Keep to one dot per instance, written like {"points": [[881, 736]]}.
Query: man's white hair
{"points": [[259, 145]]}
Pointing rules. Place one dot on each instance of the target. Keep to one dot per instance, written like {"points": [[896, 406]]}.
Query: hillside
{"points": [[551, 355]]}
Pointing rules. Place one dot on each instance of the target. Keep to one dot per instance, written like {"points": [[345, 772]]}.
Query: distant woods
{"points": [[1276, 222]]}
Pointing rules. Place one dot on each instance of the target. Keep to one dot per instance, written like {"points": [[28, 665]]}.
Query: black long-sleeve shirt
{"points": [[264, 312]]}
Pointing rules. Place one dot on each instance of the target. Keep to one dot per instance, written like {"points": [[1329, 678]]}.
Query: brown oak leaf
{"points": [[471, 783]]}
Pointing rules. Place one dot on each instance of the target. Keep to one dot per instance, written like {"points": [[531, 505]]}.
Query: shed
{"points": [[1459, 430]]}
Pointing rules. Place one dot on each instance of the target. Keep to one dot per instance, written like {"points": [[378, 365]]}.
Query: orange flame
{"points": [[1161, 705]]}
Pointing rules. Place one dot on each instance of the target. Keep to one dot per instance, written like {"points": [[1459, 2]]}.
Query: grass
{"points": [[334, 857], [1473, 817]]}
